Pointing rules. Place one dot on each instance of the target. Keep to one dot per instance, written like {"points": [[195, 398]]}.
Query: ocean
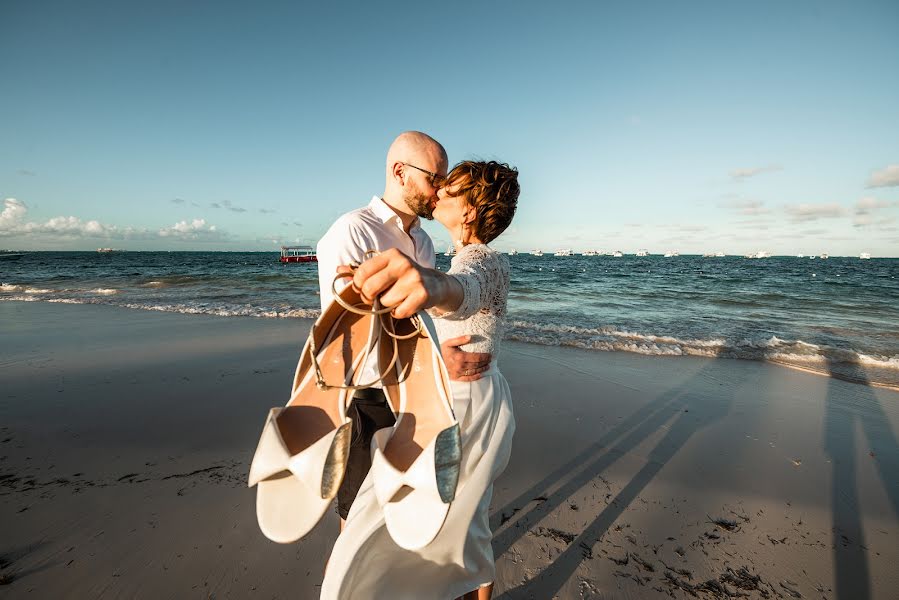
{"points": [[837, 316]]}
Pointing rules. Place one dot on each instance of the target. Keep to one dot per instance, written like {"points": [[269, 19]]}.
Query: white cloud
{"points": [[813, 212], [193, 230], [886, 177], [869, 204], [741, 174], [13, 223], [177, 200], [13, 211], [746, 206], [866, 220]]}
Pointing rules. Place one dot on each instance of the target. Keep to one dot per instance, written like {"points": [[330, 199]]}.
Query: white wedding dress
{"points": [[366, 563]]}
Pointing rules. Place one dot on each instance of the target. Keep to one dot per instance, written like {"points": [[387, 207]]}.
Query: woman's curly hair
{"points": [[491, 188]]}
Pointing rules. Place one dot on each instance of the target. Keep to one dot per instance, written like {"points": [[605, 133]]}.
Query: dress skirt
{"points": [[367, 564]]}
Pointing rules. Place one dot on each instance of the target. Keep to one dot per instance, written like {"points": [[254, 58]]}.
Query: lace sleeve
{"points": [[484, 276]]}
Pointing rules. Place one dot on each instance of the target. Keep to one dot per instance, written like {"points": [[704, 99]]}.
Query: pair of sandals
{"points": [[302, 454]]}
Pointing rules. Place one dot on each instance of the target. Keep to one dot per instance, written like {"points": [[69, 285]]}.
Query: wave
{"points": [[187, 309], [842, 363], [852, 364]]}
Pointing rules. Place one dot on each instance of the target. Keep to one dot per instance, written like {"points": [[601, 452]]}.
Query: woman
{"points": [[476, 204]]}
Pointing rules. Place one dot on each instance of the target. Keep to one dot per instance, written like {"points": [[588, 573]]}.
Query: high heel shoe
{"points": [[415, 463], [301, 457]]}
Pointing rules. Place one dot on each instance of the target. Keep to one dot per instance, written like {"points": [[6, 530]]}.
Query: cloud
{"points": [[266, 211], [228, 205], [13, 223], [193, 230], [741, 174], [13, 211], [177, 201], [297, 223], [869, 204], [812, 212], [886, 177], [866, 220], [26, 173], [746, 207]]}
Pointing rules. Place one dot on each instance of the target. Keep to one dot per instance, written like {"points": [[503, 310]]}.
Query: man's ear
{"points": [[398, 172]]}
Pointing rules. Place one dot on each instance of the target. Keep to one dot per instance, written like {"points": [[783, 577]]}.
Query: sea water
{"points": [[835, 316]]}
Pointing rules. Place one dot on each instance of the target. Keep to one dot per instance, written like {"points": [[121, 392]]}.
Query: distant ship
{"points": [[513, 252], [672, 253], [537, 253], [450, 251], [759, 254], [590, 253], [865, 256], [642, 253], [564, 252], [713, 255], [105, 250], [617, 254], [825, 255], [298, 254]]}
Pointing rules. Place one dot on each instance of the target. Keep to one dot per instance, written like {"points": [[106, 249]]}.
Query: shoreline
{"points": [[857, 377], [125, 439]]}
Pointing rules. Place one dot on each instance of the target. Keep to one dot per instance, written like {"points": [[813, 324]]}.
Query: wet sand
{"points": [[125, 439]]}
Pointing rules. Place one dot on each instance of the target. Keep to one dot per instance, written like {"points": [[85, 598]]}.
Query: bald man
{"points": [[416, 167]]}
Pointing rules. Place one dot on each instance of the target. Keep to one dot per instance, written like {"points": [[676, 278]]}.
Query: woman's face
{"points": [[450, 211]]}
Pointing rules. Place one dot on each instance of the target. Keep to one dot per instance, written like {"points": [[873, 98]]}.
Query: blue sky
{"points": [[667, 126]]}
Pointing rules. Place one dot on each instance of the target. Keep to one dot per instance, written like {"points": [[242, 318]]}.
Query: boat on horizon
{"points": [[567, 252], [298, 254], [642, 252], [590, 253], [617, 254], [672, 254], [513, 252], [450, 250], [537, 253], [865, 256]]}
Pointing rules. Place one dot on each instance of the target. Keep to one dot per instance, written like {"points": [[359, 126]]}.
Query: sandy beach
{"points": [[126, 436]]}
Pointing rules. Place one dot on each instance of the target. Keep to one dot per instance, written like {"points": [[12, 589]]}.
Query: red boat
{"points": [[300, 254]]}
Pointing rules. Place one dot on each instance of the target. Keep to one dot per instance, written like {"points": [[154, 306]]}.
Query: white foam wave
{"points": [[105, 291], [23, 289]]}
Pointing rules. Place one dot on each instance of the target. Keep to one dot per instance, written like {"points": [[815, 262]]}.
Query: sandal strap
{"points": [[376, 310]]}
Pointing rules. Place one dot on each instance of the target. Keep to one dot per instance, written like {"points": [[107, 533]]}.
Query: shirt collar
{"points": [[385, 213]]}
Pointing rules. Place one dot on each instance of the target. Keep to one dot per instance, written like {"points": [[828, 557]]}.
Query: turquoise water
{"points": [[838, 316]]}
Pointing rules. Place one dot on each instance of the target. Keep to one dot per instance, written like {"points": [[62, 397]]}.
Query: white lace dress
{"points": [[366, 563]]}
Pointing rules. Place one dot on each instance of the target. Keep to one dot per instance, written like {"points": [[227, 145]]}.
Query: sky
{"points": [[691, 126]]}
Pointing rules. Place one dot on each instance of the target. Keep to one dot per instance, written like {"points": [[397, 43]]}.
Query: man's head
{"points": [[416, 167]]}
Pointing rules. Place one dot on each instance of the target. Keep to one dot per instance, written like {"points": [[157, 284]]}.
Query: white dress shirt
{"points": [[373, 227]]}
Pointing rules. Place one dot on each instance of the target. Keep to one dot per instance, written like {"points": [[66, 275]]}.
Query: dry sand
{"points": [[125, 438]]}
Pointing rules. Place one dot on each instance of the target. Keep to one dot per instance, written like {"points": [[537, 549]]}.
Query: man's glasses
{"points": [[434, 179]]}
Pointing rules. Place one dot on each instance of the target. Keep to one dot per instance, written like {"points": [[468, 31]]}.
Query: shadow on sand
{"points": [[557, 488], [851, 408]]}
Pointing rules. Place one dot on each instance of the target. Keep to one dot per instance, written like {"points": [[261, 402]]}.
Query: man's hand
{"points": [[403, 284], [461, 365]]}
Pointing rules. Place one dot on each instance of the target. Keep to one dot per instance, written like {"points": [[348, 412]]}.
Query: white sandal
{"points": [[415, 463], [301, 457]]}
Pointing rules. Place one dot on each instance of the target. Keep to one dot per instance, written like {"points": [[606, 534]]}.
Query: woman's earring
{"points": [[461, 241]]}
